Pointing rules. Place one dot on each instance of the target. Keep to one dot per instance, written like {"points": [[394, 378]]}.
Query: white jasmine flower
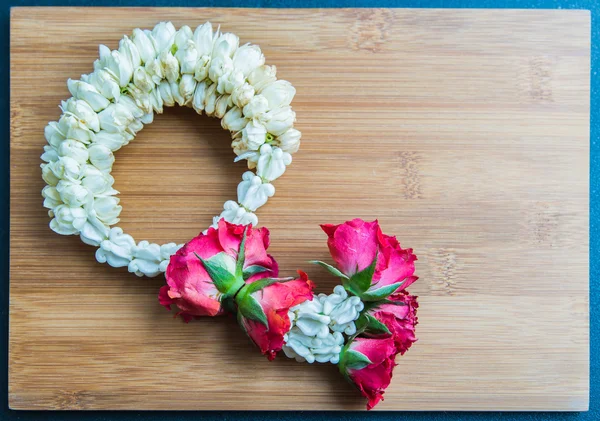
{"points": [[166, 94], [187, 56], [154, 69], [128, 49], [115, 63], [54, 133], [187, 87], [156, 101], [113, 141], [82, 111], [278, 121], [163, 35], [179, 99], [88, 93], [93, 231], [104, 82], [128, 102], [97, 182], [229, 81], [68, 220], [107, 209], [182, 37], [50, 154], [202, 67], [210, 99], [225, 45], [257, 106], [51, 197], [233, 120], [101, 157], [169, 65], [279, 93], [254, 135], [143, 80], [115, 118], [144, 45], [242, 94], [220, 66], [199, 96], [65, 168], [74, 128], [289, 141], [247, 58], [72, 194], [262, 76], [74, 150], [203, 38], [221, 106]]}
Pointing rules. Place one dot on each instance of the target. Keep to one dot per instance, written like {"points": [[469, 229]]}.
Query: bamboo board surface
{"points": [[465, 132]]}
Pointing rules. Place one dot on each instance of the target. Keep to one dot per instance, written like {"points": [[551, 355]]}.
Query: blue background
{"points": [[593, 414]]}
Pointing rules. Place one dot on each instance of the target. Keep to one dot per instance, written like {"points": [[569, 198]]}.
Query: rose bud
{"points": [[368, 364], [206, 273], [395, 317], [371, 264], [263, 308]]}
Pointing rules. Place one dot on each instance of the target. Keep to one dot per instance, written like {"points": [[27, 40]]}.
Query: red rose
{"points": [[263, 309], [371, 264], [400, 318], [368, 364], [204, 272]]}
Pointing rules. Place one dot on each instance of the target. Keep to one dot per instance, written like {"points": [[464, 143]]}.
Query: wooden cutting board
{"points": [[465, 132]]}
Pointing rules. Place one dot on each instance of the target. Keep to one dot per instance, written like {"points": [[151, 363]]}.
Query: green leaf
{"points": [[220, 268], [381, 293], [174, 49], [361, 281], [375, 327], [239, 270], [356, 360], [334, 271], [253, 270], [250, 308]]}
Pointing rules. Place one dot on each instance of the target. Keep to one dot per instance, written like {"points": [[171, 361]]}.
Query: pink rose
{"points": [[368, 364], [371, 264], [263, 309], [206, 273], [400, 318]]}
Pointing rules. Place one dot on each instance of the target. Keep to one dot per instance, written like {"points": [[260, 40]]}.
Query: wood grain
{"points": [[465, 132]]}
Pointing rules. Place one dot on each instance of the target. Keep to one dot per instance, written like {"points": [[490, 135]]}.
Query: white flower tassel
{"points": [[317, 326]]}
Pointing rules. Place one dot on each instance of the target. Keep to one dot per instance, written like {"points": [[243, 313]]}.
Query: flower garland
{"points": [[202, 69], [362, 326]]}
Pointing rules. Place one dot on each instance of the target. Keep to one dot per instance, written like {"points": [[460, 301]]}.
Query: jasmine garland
{"points": [[203, 69]]}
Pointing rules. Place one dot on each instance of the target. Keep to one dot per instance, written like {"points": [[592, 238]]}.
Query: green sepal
{"points": [[261, 284], [219, 268], [334, 271], [361, 281], [381, 293], [239, 269], [376, 327], [174, 49], [250, 308], [253, 270], [355, 360], [240, 320]]}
